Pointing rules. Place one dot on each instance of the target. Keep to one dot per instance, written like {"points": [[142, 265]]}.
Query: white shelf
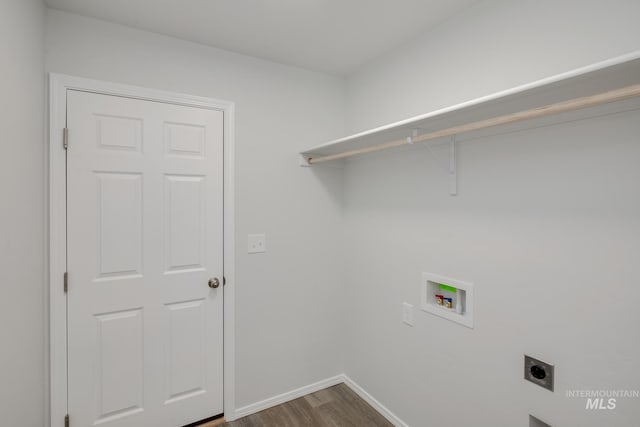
{"points": [[615, 73]]}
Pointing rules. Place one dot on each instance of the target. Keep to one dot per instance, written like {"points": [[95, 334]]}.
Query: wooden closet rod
{"points": [[534, 113]]}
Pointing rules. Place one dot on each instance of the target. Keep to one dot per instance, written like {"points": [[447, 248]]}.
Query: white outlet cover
{"points": [[257, 243], [407, 313]]}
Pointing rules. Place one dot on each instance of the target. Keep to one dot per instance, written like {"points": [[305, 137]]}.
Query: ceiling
{"points": [[333, 36]]}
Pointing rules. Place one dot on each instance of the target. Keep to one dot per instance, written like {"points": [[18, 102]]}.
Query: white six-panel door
{"points": [[144, 212]]}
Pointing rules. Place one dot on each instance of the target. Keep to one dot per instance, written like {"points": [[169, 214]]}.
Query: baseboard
{"points": [[390, 416], [312, 388], [286, 397]]}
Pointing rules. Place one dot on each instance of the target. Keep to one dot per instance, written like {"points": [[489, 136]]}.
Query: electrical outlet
{"points": [[257, 243], [407, 313], [538, 372]]}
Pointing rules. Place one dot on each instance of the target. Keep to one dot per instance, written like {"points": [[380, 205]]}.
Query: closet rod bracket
{"points": [[414, 135], [453, 167], [304, 161]]}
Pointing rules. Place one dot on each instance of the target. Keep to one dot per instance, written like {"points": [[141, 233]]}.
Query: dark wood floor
{"points": [[335, 406]]}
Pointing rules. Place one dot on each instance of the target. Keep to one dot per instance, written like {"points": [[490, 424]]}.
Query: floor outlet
{"points": [[407, 313]]}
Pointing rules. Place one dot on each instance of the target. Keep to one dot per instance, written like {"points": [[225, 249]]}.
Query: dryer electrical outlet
{"points": [[538, 372]]}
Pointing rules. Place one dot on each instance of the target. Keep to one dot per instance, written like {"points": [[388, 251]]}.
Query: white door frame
{"points": [[57, 345]]}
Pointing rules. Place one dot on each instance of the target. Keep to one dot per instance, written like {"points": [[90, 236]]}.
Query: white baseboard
{"points": [[312, 388], [286, 397], [390, 416]]}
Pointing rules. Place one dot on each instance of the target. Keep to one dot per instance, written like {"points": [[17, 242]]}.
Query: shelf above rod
{"points": [[534, 113]]}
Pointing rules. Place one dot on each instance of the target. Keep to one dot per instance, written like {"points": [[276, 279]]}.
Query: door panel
{"points": [[119, 364], [119, 234], [144, 189], [185, 213], [186, 358]]}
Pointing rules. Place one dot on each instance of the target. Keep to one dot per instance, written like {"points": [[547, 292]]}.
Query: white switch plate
{"points": [[407, 313], [257, 243]]}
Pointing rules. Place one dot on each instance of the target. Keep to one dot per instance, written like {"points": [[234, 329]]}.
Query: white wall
{"points": [[497, 44], [22, 213], [546, 225], [288, 325], [552, 206]]}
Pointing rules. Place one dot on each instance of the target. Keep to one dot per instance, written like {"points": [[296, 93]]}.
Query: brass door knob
{"points": [[214, 283]]}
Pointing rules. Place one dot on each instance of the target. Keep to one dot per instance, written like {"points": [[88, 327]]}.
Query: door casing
{"points": [[56, 299]]}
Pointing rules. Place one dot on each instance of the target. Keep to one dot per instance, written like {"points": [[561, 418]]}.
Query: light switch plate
{"points": [[407, 313], [257, 243]]}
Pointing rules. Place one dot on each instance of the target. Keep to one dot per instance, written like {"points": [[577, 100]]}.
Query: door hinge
{"points": [[65, 138], [65, 281], [66, 420]]}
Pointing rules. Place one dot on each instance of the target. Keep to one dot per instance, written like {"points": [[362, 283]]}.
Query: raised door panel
{"points": [[119, 365], [184, 139], [119, 133], [185, 213], [185, 354], [119, 223]]}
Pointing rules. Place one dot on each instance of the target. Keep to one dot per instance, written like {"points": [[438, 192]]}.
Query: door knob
{"points": [[214, 283]]}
